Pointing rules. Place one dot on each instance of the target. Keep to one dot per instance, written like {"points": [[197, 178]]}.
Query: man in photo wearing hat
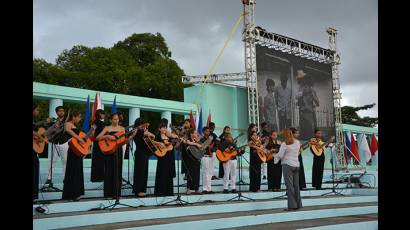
{"points": [[307, 100]]}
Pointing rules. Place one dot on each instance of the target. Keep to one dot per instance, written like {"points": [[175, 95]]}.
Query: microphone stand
{"points": [[127, 184], [333, 192], [50, 187], [240, 197]]}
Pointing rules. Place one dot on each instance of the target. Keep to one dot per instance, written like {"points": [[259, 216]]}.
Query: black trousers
{"points": [[36, 172], [254, 172], [274, 175], [317, 171], [302, 180]]}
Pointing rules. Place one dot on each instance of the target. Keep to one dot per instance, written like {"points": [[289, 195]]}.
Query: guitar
{"points": [[269, 152], [39, 144], [79, 149], [110, 146], [317, 147], [261, 151], [157, 148], [198, 153], [228, 153]]}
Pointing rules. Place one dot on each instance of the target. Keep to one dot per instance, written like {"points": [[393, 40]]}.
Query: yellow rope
{"points": [[217, 59]]}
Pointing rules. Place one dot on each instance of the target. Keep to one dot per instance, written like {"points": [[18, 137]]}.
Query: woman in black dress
{"points": [[74, 176], [97, 157], [142, 155], [302, 180], [274, 170], [226, 130], [193, 165], [254, 161], [113, 162], [164, 178], [36, 162]]}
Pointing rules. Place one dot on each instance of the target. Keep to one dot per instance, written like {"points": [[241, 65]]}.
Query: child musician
{"points": [[230, 165]]}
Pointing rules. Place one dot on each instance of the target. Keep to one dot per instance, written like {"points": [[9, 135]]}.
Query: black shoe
{"points": [[211, 192], [225, 191], [233, 191], [303, 189], [184, 177], [214, 178], [205, 192], [264, 178]]}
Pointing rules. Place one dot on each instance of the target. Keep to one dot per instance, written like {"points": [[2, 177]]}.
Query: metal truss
{"points": [[214, 78]]}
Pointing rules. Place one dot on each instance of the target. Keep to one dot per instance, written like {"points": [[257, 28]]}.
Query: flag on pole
{"points": [[86, 123], [200, 122], [354, 150], [114, 105], [191, 119], [364, 147], [374, 145], [97, 105], [209, 120], [348, 154], [197, 120]]}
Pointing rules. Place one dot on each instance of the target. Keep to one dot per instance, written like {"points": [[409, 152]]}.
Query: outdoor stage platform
{"points": [[358, 208]]}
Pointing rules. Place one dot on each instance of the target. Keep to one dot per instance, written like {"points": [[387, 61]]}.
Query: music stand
{"points": [[117, 196], [333, 192], [50, 187], [240, 197], [178, 200]]}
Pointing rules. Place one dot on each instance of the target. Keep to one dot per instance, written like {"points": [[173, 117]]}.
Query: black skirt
{"points": [[317, 170], [140, 170], [164, 178], [113, 174], [254, 171], [74, 177], [302, 180], [36, 173], [192, 173], [274, 175], [97, 164]]}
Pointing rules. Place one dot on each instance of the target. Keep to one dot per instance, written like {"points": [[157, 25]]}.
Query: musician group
{"points": [[109, 144]]}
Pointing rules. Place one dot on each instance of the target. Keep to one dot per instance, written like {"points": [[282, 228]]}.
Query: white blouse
{"points": [[288, 154]]}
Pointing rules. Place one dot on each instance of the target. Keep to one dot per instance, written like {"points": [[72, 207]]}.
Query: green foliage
{"points": [[350, 116], [140, 65]]}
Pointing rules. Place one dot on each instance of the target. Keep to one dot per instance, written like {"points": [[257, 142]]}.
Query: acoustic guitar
{"points": [[79, 149], [110, 146], [317, 147], [157, 148], [39, 144], [228, 153], [197, 153]]}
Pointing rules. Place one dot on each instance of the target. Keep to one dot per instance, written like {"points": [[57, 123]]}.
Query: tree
{"points": [[140, 65], [350, 116]]}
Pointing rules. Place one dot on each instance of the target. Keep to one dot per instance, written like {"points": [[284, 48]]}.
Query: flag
{"points": [[364, 147], [86, 123], [209, 118], [348, 153], [114, 105], [354, 150], [191, 119], [200, 122], [97, 105], [374, 145], [197, 120]]}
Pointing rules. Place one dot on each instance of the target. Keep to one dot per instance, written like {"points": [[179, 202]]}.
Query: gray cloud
{"points": [[195, 31]]}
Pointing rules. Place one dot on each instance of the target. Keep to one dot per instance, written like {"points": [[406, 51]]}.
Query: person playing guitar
{"points": [[317, 148], [193, 166], [74, 176], [207, 162], [254, 161], [113, 162], [274, 170], [229, 166]]}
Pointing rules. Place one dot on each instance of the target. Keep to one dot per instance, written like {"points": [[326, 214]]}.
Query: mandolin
{"points": [[317, 147], [79, 149]]}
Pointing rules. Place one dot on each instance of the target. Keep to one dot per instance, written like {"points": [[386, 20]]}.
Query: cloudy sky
{"points": [[196, 30]]}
